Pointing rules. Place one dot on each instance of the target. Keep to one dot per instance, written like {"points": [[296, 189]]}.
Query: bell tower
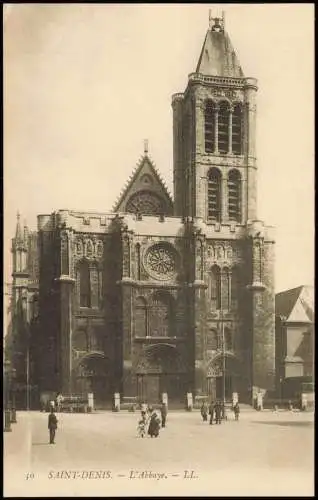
{"points": [[214, 136], [231, 289]]}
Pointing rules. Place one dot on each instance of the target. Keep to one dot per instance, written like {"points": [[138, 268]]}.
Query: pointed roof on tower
{"points": [[218, 57], [18, 231]]}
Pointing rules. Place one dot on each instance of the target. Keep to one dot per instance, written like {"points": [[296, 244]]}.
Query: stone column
{"points": [[262, 299], [66, 297]]}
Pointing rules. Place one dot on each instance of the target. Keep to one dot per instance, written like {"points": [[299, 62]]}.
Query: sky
{"points": [[85, 84]]}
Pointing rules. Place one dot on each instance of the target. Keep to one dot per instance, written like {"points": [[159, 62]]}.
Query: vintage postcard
{"points": [[158, 250]]}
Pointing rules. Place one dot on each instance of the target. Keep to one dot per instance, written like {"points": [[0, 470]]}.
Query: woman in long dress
{"points": [[154, 424]]}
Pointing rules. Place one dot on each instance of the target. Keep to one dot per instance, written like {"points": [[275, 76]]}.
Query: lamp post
{"points": [[27, 331], [13, 408], [7, 419], [223, 362]]}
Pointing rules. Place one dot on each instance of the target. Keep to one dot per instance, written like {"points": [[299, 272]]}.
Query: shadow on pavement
{"points": [[286, 424]]}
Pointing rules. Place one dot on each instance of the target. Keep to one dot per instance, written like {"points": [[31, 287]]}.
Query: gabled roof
{"points": [[296, 304], [145, 177], [218, 57]]}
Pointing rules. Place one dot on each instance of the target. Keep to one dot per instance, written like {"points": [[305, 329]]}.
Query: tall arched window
{"points": [[237, 130], [95, 285], [141, 321], [212, 340], [223, 127], [226, 292], [228, 339], [209, 116], [215, 287], [162, 315], [234, 287], [234, 195], [214, 194], [80, 340], [84, 284]]}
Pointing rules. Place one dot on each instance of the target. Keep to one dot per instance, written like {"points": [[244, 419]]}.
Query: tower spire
{"points": [[18, 231], [146, 146]]}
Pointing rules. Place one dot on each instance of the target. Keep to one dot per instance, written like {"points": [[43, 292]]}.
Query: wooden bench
{"points": [[74, 403]]}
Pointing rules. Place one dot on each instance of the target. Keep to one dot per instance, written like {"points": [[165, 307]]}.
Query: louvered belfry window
{"points": [[237, 130], [223, 127], [234, 195], [214, 194], [209, 116]]}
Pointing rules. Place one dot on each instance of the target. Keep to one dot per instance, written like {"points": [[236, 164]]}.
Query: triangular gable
{"points": [[285, 301], [145, 181], [299, 314]]}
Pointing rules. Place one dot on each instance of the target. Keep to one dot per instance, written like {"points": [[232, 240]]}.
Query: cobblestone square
{"points": [[100, 454]]}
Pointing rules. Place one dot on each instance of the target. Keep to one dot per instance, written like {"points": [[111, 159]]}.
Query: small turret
{"points": [[20, 248]]}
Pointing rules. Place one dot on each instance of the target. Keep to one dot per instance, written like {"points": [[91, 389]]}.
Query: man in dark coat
{"points": [[52, 425], [218, 410], [236, 410], [164, 412], [211, 412]]}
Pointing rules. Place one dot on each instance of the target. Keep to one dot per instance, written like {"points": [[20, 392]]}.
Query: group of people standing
{"points": [[216, 411], [150, 421]]}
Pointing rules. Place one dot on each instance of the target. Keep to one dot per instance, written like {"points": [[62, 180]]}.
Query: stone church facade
{"points": [[161, 294]]}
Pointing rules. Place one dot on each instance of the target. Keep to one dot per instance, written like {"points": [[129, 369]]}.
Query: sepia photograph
{"points": [[158, 293]]}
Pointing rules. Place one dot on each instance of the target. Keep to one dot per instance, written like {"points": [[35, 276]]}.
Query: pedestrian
{"points": [[164, 412], [52, 425], [236, 410], [211, 412], [154, 424], [142, 424], [218, 411], [59, 399], [143, 407], [204, 411]]}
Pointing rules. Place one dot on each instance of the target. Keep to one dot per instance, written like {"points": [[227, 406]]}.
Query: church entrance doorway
{"points": [[155, 375], [222, 383], [224, 388], [92, 375]]}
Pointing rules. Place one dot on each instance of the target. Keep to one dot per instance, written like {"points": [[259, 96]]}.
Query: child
{"points": [[142, 425]]}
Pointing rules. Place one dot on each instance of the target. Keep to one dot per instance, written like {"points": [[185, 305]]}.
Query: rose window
{"points": [[161, 261], [146, 203]]}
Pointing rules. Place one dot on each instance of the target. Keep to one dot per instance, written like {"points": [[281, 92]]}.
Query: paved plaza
{"points": [[100, 454]]}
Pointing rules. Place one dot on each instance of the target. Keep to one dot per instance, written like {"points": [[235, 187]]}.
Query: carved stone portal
{"points": [[160, 359]]}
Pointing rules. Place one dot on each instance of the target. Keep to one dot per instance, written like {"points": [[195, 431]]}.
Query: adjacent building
{"points": [[295, 326]]}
